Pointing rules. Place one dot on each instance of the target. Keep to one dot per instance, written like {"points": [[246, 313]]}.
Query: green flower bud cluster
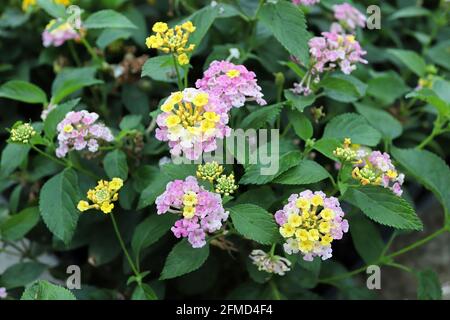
{"points": [[22, 133]]}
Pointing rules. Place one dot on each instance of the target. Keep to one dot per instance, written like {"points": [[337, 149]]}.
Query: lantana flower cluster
{"points": [[22, 133], [172, 40], [102, 196], [270, 263], [31, 3], [222, 183], [329, 52], [232, 84], [191, 122], [310, 222], [349, 18], [79, 131], [201, 210], [371, 167], [57, 32]]}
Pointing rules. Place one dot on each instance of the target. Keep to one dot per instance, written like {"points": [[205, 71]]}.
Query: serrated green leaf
{"points": [[254, 223], [44, 290], [381, 120], [58, 204], [302, 126], [439, 54], [23, 91], [366, 238], [386, 87], [343, 88], [161, 68], [353, 126], [383, 206], [202, 20], [409, 12], [13, 156], [18, 225], [71, 80], [429, 170], [288, 25], [151, 230], [184, 259], [116, 165], [254, 175], [156, 186], [262, 116], [429, 286], [108, 19], [306, 172], [21, 274], [410, 59], [300, 102]]}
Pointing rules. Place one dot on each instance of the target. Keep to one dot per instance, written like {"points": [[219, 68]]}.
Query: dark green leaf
{"points": [[306, 172], [23, 91], [116, 165]]}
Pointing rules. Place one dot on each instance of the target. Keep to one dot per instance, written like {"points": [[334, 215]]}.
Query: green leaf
{"points": [[386, 87], [135, 100], [184, 259], [439, 54], [58, 204], [254, 173], [383, 206], [115, 164], [108, 36], [54, 9], [56, 116], [202, 20], [21, 274], [161, 68], [353, 126], [381, 120], [71, 80], [44, 290], [429, 286], [254, 223], [179, 171], [108, 19], [262, 116], [429, 170], [300, 102], [144, 292], [157, 185], [18, 225], [343, 88], [431, 97], [151, 230], [302, 126], [409, 12], [131, 122], [288, 25], [366, 238], [410, 59], [327, 146], [306, 172], [13, 156], [23, 91]]}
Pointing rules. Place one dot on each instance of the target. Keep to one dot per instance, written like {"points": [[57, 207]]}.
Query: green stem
{"points": [[428, 139], [385, 260], [48, 156], [272, 250], [175, 63], [90, 49], [399, 266], [124, 248]]}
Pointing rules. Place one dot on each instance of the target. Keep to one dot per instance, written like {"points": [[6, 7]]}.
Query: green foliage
{"points": [[44, 290], [23, 91]]}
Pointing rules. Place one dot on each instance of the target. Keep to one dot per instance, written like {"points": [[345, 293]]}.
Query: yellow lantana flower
{"points": [[102, 196]]}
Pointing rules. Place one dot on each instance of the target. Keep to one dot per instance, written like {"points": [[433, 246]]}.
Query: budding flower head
{"points": [[349, 152], [270, 263], [22, 133], [102, 196], [172, 40], [226, 185], [209, 171]]}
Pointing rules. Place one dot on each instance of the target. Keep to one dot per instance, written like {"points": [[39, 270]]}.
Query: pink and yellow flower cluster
{"points": [[310, 222], [201, 211]]}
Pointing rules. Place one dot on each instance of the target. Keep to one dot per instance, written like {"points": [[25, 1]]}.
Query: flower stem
{"points": [[90, 49], [275, 291], [180, 82], [386, 260], [124, 248]]}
